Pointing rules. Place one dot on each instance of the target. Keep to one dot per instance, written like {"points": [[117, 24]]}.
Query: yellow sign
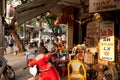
{"points": [[107, 40]]}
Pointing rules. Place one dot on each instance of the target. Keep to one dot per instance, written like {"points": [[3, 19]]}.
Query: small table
{"points": [[61, 66]]}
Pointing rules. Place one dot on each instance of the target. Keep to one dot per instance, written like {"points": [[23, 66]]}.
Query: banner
{"points": [[103, 5], [107, 40]]}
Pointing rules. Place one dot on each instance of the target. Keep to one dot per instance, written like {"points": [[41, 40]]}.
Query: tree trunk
{"points": [[17, 40]]}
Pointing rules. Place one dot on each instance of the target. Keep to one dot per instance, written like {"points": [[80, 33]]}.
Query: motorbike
{"points": [[6, 70], [45, 70]]}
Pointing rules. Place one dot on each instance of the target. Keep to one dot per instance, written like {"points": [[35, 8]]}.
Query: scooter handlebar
{"points": [[25, 67]]}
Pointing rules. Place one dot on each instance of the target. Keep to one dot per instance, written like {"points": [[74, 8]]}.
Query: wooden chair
{"points": [[76, 70]]}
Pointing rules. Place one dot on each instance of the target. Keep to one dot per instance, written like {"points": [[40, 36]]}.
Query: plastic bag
{"points": [[33, 70]]}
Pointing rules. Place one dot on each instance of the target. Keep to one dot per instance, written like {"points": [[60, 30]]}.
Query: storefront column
{"points": [[1, 28], [2, 36], [80, 34], [70, 35]]}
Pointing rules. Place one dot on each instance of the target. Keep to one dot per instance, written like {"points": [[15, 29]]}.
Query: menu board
{"points": [[107, 40]]}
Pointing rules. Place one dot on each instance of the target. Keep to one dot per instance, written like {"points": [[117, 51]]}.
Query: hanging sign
{"points": [[103, 5], [107, 40], [93, 29]]}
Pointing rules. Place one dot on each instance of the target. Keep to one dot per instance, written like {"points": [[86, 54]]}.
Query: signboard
{"points": [[107, 40], [92, 34], [93, 29], [103, 5]]}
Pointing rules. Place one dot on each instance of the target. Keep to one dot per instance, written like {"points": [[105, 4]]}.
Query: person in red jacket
{"points": [[46, 69]]}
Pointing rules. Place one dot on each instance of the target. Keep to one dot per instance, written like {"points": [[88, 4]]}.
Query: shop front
{"points": [[103, 33], [107, 28]]}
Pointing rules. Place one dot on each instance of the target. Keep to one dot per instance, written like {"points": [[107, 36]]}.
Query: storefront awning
{"points": [[35, 8], [31, 10]]}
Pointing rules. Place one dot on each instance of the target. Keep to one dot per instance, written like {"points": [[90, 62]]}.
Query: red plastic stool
{"points": [[64, 71]]}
